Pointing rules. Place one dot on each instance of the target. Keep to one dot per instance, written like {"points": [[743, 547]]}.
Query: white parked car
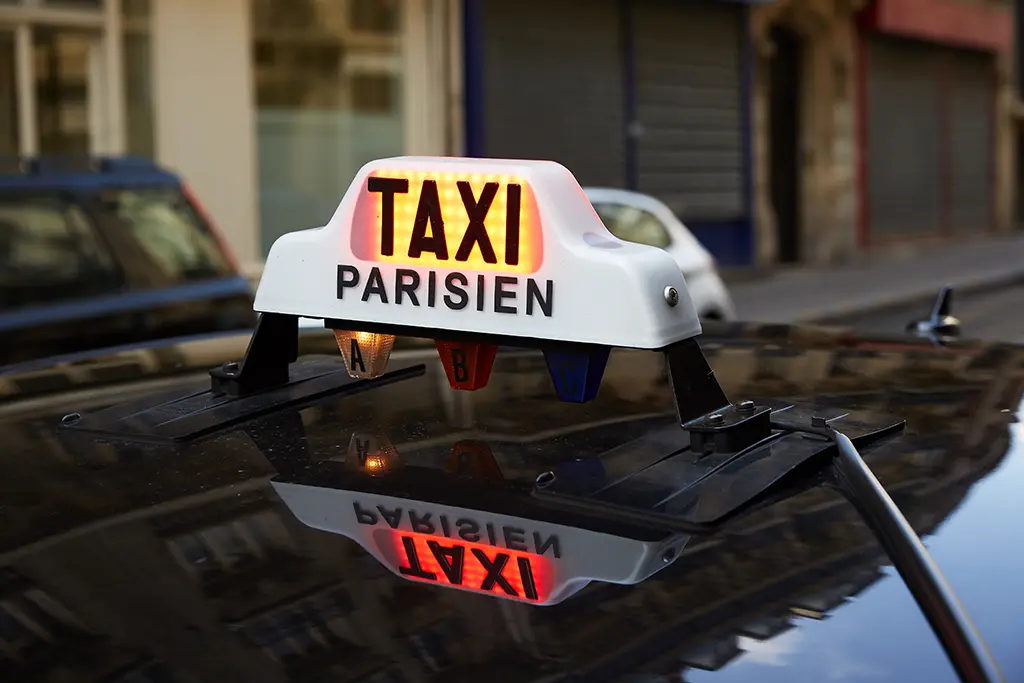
{"points": [[636, 217]]}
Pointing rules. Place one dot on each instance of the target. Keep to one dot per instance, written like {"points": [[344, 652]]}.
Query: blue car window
{"points": [[50, 251], [171, 233]]}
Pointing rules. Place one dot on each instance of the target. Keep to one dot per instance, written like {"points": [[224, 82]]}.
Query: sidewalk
{"points": [[815, 294]]}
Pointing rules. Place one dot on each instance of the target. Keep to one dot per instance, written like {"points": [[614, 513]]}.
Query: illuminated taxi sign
{"points": [[476, 567], [482, 222], [526, 560], [503, 248]]}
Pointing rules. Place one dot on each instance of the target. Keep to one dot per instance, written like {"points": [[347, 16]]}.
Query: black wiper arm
{"points": [[959, 637]]}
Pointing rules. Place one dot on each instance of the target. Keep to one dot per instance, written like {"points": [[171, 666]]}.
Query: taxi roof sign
{"points": [[503, 248]]}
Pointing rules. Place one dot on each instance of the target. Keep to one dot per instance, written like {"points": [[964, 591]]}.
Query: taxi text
{"points": [[452, 563], [429, 216], [463, 527], [496, 293]]}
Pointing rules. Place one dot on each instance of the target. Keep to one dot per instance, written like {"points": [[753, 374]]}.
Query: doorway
{"points": [[784, 141]]}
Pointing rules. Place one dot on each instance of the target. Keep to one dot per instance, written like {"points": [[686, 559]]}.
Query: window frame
{"points": [[105, 22]]}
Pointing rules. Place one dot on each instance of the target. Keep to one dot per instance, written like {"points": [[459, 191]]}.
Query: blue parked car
{"points": [[102, 252]]}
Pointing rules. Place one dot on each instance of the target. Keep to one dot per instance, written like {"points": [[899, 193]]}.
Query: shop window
{"points": [[302, 628], [138, 77], [214, 551], [8, 96], [328, 97], [33, 626], [151, 672], [74, 4], [62, 61], [378, 16], [374, 94]]}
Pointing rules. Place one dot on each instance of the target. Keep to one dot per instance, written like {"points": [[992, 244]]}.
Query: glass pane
{"points": [[328, 96], [196, 554], [170, 232], [138, 77], [380, 16], [50, 252], [136, 9], [8, 96], [62, 60], [74, 4], [138, 96], [631, 224]]}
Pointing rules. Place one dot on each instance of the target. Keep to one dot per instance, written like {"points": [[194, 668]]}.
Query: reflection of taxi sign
{"points": [[475, 253], [372, 454], [526, 560]]}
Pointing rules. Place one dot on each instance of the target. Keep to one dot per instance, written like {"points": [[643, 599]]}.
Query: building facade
{"points": [[933, 122], [75, 77], [880, 123], [650, 95], [781, 131], [267, 107]]}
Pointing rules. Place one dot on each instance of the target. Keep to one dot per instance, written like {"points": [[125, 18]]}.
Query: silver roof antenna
{"points": [[941, 326]]}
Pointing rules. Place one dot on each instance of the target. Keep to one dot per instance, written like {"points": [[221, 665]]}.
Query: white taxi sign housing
{"points": [[507, 248]]}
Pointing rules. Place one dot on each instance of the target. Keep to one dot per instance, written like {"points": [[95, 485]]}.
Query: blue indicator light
{"points": [[577, 372]]}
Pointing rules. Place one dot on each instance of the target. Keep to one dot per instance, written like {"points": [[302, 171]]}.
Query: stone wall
{"points": [[829, 153], [827, 137]]}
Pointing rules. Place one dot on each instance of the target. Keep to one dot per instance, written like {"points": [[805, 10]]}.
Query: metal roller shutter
{"points": [[553, 85], [970, 82], [688, 94], [904, 138]]}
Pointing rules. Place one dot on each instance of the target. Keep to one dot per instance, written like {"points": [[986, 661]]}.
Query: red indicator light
{"points": [[474, 460], [474, 567], [467, 364]]}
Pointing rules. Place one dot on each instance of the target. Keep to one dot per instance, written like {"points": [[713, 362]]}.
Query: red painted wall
{"points": [[950, 22], [946, 22]]}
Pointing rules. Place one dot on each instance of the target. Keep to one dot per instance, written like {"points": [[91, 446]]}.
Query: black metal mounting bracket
{"points": [[703, 409], [695, 390], [731, 429], [273, 348]]}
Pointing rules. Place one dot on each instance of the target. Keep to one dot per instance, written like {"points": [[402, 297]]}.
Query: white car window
{"points": [[632, 224]]}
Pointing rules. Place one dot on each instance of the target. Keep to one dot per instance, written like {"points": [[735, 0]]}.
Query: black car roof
{"points": [[109, 531]]}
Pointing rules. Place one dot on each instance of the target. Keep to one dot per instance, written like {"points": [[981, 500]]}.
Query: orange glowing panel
{"points": [[468, 221], [474, 567]]}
